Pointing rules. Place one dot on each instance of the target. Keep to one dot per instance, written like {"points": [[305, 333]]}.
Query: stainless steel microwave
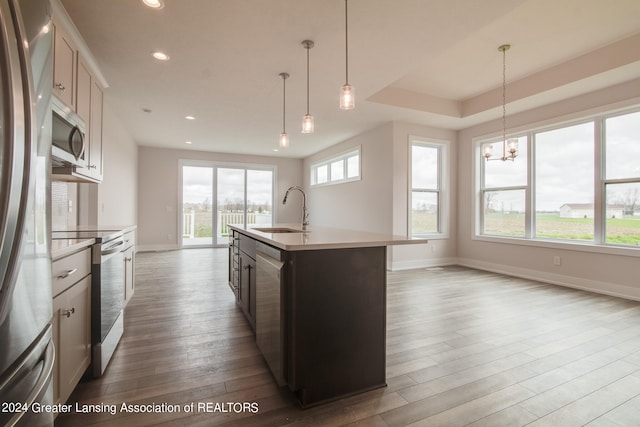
{"points": [[68, 136]]}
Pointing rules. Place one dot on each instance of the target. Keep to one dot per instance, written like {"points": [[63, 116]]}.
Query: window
{"points": [[343, 168], [622, 179], [214, 196], [578, 182], [504, 193], [564, 193], [428, 197]]}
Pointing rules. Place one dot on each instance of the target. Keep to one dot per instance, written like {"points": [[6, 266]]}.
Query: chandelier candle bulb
{"points": [[488, 150]]}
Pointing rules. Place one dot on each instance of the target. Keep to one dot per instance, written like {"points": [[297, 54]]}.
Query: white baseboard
{"points": [[420, 263], [605, 288], [155, 248]]}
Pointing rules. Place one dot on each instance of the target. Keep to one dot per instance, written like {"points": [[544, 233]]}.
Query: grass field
{"points": [[624, 231]]}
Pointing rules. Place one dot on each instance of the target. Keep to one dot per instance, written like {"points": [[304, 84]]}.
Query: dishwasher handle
{"points": [[269, 251]]}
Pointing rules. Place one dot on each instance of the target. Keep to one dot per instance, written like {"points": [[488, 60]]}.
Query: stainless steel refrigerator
{"points": [[26, 347]]}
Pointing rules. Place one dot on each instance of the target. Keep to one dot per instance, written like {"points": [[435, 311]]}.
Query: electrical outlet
{"points": [[557, 260]]}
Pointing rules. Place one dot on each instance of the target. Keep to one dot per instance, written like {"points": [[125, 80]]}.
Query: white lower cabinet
{"points": [[71, 335]]}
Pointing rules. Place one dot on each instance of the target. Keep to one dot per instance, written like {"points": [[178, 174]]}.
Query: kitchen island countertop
{"points": [[321, 237]]}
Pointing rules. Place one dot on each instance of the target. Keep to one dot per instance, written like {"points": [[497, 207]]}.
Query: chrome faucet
{"points": [[305, 212]]}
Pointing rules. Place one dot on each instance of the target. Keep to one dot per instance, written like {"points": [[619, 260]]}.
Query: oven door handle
{"points": [[113, 249]]}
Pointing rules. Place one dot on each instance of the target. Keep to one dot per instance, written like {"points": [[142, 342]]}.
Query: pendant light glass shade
{"points": [[284, 138], [307, 124], [347, 96], [307, 120], [347, 99]]}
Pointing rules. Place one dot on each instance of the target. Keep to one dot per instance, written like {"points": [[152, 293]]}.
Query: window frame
{"points": [[328, 162], [443, 192], [599, 244]]}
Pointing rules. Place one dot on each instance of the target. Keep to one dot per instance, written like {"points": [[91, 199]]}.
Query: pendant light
{"points": [[284, 138], [347, 96], [307, 120], [509, 146]]}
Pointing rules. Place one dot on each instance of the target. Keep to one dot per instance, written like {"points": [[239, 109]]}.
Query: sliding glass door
{"points": [[214, 196]]}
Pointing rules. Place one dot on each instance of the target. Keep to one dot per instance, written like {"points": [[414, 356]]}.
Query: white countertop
{"points": [[82, 228], [63, 247], [322, 237]]}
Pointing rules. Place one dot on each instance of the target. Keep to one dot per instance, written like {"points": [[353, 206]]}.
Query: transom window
{"points": [[578, 182], [342, 168]]}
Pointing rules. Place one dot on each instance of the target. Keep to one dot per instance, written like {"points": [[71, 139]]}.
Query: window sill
{"points": [[569, 246]]}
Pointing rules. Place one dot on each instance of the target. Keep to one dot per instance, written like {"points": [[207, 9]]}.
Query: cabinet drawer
{"points": [[248, 245], [70, 269], [129, 239]]}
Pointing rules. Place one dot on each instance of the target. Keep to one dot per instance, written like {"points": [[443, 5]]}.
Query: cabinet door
{"points": [[72, 337], [129, 274], [252, 293], [83, 94], [234, 263], [95, 131], [246, 292], [63, 67], [243, 289]]}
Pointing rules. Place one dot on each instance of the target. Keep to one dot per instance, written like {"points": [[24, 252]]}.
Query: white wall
{"points": [[379, 201], [357, 205], [114, 201], [587, 268], [437, 251], [158, 190]]}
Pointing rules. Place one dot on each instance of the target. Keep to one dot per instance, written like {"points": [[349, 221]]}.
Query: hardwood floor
{"points": [[464, 347]]}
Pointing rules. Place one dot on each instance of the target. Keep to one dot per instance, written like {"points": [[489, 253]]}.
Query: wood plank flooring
{"points": [[464, 347]]}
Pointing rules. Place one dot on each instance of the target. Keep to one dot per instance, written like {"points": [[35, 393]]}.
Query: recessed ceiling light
{"points": [[188, 142], [154, 4], [189, 117], [160, 56]]}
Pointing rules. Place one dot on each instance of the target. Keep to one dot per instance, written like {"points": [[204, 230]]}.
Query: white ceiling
{"points": [[433, 62]]}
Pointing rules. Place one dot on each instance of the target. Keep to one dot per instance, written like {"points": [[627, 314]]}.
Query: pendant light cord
{"points": [[284, 102], [504, 96], [346, 42], [308, 80]]}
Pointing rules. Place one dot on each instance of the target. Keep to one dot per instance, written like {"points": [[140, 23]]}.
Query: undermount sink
{"points": [[277, 230]]}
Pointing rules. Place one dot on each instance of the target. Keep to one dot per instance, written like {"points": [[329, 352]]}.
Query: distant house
{"points": [[585, 210]]}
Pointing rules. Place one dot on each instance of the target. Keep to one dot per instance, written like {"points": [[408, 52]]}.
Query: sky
{"points": [[198, 185], [565, 162]]}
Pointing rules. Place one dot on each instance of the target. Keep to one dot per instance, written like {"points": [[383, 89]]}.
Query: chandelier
{"points": [[509, 146]]}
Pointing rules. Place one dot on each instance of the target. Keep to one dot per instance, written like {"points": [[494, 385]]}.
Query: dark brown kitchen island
{"points": [[317, 302]]}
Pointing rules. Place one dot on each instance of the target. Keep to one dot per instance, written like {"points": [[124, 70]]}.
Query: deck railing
{"points": [[224, 219]]}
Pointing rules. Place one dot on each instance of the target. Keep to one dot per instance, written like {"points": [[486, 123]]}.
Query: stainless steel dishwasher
{"points": [[269, 264]]}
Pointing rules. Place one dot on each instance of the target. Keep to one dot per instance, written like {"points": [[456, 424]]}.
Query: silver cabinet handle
{"points": [[60, 86], [92, 166], [68, 313], [67, 274]]}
